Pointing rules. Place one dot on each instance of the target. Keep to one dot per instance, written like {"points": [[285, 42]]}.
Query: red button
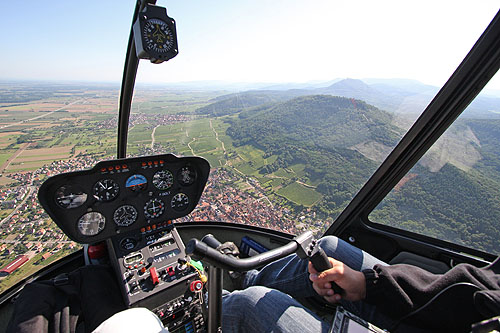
{"points": [[196, 286], [170, 271], [154, 275]]}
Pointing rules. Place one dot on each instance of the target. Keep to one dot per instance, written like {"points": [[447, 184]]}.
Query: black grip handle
{"points": [[321, 263]]}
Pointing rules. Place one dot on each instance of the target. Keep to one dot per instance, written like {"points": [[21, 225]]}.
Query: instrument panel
{"points": [[123, 195]]}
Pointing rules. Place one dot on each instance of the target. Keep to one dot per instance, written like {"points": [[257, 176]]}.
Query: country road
{"points": [[42, 115]]}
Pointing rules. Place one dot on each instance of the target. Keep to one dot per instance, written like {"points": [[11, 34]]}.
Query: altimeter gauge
{"points": [[155, 35], [92, 223], [163, 180], [125, 215]]}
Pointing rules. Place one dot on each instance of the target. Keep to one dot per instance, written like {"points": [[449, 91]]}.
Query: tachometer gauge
{"points": [[186, 175], [180, 202], [154, 208], [136, 183], [70, 196], [91, 223], [125, 215], [163, 180], [106, 190]]}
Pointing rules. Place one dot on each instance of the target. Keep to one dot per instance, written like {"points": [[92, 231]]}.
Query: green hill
{"points": [[320, 132]]}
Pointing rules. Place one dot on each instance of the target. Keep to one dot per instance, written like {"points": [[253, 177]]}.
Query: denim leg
{"points": [[290, 274], [261, 309]]}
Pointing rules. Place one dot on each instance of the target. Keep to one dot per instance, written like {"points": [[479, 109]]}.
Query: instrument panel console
{"points": [[123, 195]]}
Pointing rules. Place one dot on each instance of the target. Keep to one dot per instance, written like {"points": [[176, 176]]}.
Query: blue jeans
{"points": [[268, 303]]}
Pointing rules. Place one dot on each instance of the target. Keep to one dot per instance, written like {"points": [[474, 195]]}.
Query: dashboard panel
{"points": [[123, 195]]}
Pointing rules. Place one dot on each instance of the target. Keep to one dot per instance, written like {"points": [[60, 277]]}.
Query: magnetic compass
{"points": [[155, 35]]}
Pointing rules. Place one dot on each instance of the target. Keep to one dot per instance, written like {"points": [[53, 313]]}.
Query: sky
{"points": [[246, 41]]}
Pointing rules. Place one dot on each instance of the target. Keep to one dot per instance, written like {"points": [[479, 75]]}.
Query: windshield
{"points": [[294, 104]]}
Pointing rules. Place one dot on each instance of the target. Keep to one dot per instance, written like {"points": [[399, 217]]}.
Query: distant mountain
{"points": [[237, 102], [406, 97]]}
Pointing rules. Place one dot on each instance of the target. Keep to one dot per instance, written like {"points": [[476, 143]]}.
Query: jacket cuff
{"points": [[372, 283]]}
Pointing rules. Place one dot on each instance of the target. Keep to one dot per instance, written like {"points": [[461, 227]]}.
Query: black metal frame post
{"points": [[214, 299]]}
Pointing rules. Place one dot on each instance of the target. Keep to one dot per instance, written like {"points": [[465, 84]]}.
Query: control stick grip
{"points": [[321, 263]]}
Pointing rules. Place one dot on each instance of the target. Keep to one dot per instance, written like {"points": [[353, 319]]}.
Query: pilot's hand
{"points": [[351, 281]]}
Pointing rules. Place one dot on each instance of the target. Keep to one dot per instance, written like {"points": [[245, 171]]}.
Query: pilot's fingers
{"points": [[326, 291], [332, 274], [311, 269]]}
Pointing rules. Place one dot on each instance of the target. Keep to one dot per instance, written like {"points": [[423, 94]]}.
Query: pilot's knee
{"points": [[329, 244], [246, 298]]}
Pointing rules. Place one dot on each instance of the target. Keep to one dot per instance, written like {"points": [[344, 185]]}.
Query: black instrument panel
{"points": [[121, 195]]}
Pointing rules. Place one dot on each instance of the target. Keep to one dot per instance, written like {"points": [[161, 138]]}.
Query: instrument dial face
{"points": [[69, 196], [125, 215], [92, 223], [180, 202], [186, 175], [136, 183], [158, 36], [106, 190], [163, 180], [154, 208]]}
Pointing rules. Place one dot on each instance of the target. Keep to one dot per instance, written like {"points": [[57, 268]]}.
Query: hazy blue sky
{"points": [[249, 41]]}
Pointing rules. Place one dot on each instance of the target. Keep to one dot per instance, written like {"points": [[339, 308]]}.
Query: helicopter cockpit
{"points": [[129, 213]]}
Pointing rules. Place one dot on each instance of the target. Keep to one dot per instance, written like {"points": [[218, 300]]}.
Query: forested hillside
{"points": [[320, 132], [452, 203], [452, 194]]}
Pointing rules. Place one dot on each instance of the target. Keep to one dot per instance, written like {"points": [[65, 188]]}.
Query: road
{"points": [[28, 194], [153, 136], [42, 115], [13, 157]]}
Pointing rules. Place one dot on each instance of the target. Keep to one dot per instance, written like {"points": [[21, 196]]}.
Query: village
{"points": [[28, 233]]}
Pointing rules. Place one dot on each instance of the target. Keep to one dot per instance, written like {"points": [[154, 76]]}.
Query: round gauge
{"points": [[106, 190], [158, 36], [163, 180], [136, 183], [128, 243], [92, 223], [69, 196], [180, 202], [125, 215], [154, 208], [186, 175]]}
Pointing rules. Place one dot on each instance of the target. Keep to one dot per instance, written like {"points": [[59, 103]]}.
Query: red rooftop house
{"points": [[11, 267]]}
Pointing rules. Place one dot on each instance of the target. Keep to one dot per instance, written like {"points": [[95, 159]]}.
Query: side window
{"points": [[453, 192]]}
